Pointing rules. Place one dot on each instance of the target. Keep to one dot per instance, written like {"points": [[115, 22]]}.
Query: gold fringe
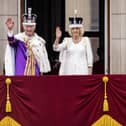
{"points": [[9, 121], [8, 106], [106, 120], [8, 103], [105, 103]]}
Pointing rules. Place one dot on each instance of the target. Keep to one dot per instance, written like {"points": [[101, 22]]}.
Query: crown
{"points": [[29, 18]]}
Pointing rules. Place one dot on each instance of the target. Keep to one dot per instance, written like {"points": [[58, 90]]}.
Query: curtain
{"points": [[51, 13], [63, 101]]}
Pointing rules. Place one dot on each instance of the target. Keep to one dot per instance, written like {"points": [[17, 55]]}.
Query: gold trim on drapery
{"points": [[8, 121], [8, 102], [105, 79], [106, 120]]}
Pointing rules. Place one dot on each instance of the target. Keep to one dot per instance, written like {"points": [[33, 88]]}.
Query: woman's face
{"points": [[76, 32]]}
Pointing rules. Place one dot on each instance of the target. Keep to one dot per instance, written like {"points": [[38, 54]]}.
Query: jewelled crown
{"points": [[29, 18], [75, 21]]}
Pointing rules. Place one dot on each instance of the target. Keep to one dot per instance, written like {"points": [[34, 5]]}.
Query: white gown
{"points": [[75, 58]]}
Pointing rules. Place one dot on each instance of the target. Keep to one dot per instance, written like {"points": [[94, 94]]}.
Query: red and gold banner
{"points": [[63, 101]]}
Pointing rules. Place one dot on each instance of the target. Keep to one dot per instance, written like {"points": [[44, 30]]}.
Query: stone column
{"points": [[8, 8], [117, 36]]}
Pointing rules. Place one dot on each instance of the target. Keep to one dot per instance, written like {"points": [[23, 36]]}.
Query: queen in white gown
{"points": [[75, 52]]}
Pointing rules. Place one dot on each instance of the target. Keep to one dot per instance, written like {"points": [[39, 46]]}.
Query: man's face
{"points": [[29, 29]]}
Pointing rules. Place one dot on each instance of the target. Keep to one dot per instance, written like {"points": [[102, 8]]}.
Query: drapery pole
{"points": [[25, 6]]}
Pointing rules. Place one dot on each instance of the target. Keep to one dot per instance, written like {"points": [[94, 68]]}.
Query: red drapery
{"points": [[63, 101]]}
